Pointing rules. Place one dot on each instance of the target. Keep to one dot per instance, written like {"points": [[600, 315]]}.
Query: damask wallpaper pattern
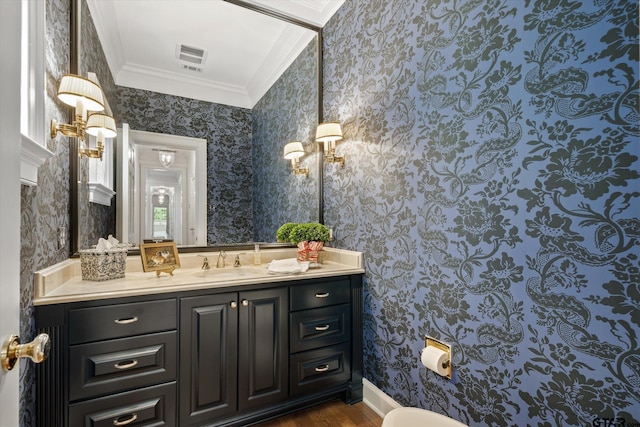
{"points": [[94, 220], [287, 112], [227, 130], [492, 183]]}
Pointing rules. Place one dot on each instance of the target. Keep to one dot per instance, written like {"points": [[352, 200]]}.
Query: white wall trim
{"points": [[377, 399], [32, 157], [100, 194], [32, 92]]}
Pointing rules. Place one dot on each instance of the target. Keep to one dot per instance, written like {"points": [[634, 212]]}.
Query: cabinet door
{"points": [[263, 347], [208, 358]]}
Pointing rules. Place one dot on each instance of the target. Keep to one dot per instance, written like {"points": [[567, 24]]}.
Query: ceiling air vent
{"points": [[190, 54]]}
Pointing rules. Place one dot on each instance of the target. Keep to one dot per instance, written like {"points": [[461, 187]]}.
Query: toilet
{"points": [[416, 417]]}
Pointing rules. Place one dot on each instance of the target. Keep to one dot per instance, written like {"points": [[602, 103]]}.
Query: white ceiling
{"points": [[246, 51]]}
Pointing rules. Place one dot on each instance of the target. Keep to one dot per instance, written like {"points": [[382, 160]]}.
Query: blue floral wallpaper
{"points": [[287, 112], [227, 130], [492, 183]]}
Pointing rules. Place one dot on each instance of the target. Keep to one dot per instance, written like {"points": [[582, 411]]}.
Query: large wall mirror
{"points": [[249, 188]]}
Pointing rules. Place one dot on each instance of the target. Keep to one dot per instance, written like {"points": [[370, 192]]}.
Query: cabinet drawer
{"points": [[153, 406], [121, 320], [319, 327], [316, 370], [320, 294], [112, 366]]}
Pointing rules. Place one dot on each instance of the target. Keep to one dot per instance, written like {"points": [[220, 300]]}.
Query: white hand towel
{"points": [[288, 266]]}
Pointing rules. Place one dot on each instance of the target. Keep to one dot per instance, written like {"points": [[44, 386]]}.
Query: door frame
{"points": [[10, 146]]}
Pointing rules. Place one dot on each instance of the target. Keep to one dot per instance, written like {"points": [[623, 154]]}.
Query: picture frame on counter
{"points": [[161, 257]]}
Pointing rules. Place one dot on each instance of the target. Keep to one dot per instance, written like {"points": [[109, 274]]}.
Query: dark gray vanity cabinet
{"points": [[113, 364], [320, 334], [209, 367], [233, 353], [225, 356]]}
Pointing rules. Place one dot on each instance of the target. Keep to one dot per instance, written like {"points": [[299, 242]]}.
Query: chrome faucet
{"points": [[205, 264], [236, 263], [221, 258]]}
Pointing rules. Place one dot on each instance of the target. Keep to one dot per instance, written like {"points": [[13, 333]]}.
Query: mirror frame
{"points": [[74, 66]]}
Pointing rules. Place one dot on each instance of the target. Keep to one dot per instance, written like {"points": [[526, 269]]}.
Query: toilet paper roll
{"points": [[435, 359]]}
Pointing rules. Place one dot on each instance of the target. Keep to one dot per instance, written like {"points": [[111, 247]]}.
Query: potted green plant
{"points": [[282, 235], [310, 238]]}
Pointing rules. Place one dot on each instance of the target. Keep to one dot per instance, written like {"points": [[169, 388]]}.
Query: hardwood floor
{"points": [[330, 414]]}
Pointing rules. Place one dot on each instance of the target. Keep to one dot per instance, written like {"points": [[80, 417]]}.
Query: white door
{"points": [[10, 18]]}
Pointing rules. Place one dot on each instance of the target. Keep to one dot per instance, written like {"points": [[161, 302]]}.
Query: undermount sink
{"points": [[228, 273]]}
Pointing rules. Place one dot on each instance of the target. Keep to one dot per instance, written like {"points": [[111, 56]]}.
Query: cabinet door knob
{"points": [[322, 294], [126, 321], [233, 304], [120, 421], [36, 350], [245, 303]]}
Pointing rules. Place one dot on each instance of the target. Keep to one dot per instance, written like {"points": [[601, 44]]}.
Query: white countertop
{"points": [[63, 282]]}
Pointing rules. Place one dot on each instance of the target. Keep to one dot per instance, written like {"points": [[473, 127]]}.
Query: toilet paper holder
{"points": [[432, 342]]}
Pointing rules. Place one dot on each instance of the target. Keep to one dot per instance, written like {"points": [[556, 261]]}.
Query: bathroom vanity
{"points": [[225, 347]]}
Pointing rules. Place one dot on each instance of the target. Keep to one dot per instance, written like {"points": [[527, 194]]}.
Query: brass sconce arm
{"points": [[92, 153], [297, 170], [330, 157], [75, 130]]}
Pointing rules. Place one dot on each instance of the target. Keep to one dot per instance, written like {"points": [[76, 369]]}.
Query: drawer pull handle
{"points": [[126, 421], [323, 328], [323, 368], [322, 294], [126, 321], [126, 365]]}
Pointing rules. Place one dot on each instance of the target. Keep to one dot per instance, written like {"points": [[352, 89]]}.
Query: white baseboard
{"points": [[377, 399]]}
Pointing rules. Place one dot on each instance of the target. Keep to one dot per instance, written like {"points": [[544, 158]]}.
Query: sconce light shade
{"points": [[84, 95], [75, 88], [293, 150], [97, 123], [166, 157], [328, 132]]}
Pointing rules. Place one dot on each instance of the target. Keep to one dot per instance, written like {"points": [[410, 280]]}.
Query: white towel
{"points": [[288, 266], [103, 245]]}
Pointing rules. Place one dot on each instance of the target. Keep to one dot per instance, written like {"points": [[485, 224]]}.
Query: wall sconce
{"points": [[101, 126], [293, 151], [84, 95], [166, 157], [329, 133]]}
